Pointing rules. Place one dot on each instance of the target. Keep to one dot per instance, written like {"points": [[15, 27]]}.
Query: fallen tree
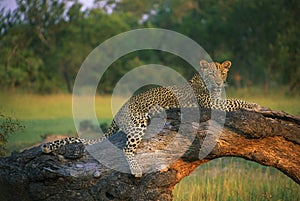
{"points": [[267, 137]]}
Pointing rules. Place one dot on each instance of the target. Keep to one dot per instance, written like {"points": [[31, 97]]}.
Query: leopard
{"points": [[135, 115]]}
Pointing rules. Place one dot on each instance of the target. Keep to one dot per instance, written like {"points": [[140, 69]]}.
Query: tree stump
{"points": [[267, 137]]}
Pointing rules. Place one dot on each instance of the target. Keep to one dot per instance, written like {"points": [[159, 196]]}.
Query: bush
{"points": [[8, 126]]}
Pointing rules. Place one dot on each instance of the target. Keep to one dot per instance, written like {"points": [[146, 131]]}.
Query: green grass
{"points": [[44, 115], [277, 99], [35, 130], [30, 106], [234, 179], [222, 179]]}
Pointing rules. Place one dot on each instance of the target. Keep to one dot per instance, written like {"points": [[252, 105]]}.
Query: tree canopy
{"points": [[43, 42]]}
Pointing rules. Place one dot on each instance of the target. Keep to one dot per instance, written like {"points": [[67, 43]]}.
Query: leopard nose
{"points": [[219, 82]]}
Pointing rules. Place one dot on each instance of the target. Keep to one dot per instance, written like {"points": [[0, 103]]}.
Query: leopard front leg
{"points": [[233, 105], [134, 138], [134, 166]]}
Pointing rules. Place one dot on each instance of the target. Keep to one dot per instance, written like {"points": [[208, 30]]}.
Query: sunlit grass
{"points": [[36, 129], [276, 99], [46, 114], [31, 106], [234, 179]]}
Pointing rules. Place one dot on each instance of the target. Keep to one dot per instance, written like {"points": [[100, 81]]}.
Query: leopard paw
{"points": [[137, 172]]}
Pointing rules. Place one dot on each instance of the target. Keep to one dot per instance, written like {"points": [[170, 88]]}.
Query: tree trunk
{"points": [[64, 69], [268, 137]]}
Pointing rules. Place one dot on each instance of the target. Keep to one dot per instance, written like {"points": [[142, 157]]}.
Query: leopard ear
{"points": [[204, 64], [226, 64]]}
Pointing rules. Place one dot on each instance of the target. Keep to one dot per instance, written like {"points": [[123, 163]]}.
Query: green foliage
{"points": [[8, 126], [261, 38], [43, 43]]}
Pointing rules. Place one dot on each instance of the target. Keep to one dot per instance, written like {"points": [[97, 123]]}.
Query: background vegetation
{"points": [[8, 126], [44, 42]]}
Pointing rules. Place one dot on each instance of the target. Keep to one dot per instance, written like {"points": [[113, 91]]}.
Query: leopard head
{"points": [[223, 69], [213, 77]]}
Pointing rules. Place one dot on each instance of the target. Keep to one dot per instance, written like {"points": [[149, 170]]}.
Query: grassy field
{"points": [[274, 99], [235, 179], [45, 115], [221, 179]]}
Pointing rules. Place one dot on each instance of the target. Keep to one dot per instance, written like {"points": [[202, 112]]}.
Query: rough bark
{"points": [[268, 137]]}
